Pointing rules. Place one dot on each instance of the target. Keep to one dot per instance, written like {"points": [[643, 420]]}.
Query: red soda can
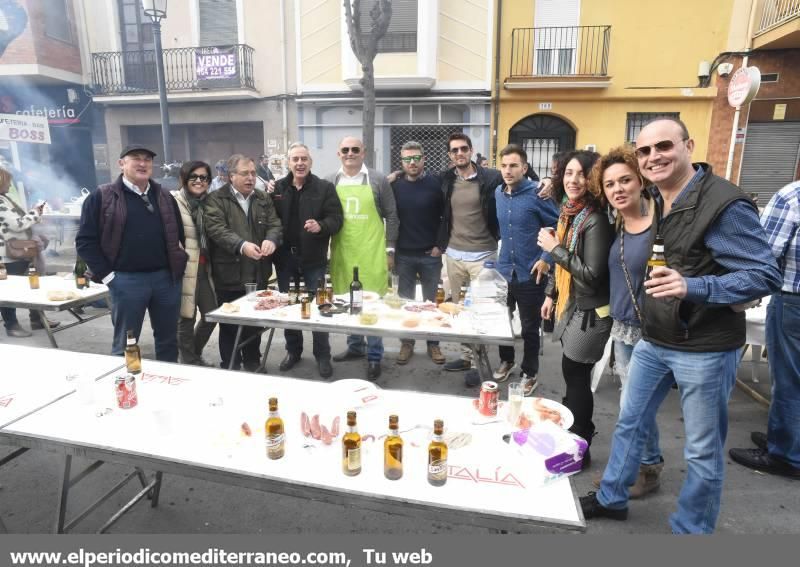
{"points": [[125, 388], [487, 402]]}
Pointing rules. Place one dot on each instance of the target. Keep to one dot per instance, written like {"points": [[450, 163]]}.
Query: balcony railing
{"points": [[185, 69], [575, 51], [777, 12]]}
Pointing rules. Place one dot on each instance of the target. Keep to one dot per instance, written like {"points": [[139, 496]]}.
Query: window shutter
{"points": [[402, 32], [218, 22]]}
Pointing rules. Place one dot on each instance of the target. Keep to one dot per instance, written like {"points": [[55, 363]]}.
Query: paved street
{"points": [[753, 503]]}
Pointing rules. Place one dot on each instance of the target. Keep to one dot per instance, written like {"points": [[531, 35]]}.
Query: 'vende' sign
{"points": [[21, 128]]}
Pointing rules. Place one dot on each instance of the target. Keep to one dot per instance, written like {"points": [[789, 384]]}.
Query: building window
{"points": [[401, 37], [58, 19], [637, 120], [218, 25], [554, 61]]}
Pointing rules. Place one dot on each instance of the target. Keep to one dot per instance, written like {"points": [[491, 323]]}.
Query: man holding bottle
{"points": [[310, 213], [364, 241]]}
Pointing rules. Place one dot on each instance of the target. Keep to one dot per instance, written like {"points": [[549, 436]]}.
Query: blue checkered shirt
{"points": [[781, 220]]}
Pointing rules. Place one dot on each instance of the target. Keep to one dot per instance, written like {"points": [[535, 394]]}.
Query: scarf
{"points": [[196, 211], [570, 224]]}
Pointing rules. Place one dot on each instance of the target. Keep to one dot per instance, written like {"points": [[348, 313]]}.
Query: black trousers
{"points": [[251, 353], [579, 398], [528, 298]]}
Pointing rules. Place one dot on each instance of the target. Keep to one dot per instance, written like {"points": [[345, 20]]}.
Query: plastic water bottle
{"points": [[490, 286]]}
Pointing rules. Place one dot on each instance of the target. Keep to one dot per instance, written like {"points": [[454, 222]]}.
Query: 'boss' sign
{"points": [[19, 128]]}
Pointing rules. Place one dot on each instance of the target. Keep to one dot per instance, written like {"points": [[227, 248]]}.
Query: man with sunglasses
{"points": [[131, 237], [367, 240], [469, 231], [419, 206], [717, 259]]}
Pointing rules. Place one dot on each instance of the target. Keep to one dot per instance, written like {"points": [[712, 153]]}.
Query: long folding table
{"points": [[16, 292], [189, 421], [479, 328]]}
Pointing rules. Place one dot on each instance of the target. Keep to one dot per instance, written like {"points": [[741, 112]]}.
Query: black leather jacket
{"points": [[588, 264]]}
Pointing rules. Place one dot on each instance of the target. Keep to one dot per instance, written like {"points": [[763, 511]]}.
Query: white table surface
{"points": [[16, 292], [34, 377], [497, 329], [191, 417], [756, 323]]}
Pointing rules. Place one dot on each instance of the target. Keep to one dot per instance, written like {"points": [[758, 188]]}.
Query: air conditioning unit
{"points": [[590, 147]]}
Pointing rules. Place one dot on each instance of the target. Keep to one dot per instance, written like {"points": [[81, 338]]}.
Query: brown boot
{"points": [[649, 480], [436, 354], [406, 350]]}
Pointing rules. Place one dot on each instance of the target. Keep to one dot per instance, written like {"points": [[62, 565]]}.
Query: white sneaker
{"points": [[529, 384], [503, 372]]}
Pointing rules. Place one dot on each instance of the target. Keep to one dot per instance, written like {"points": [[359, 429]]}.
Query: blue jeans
{"points": [[133, 293], [622, 356], [290, 266], [408, 266], [783, 348], [373, 347], [705, 381]]}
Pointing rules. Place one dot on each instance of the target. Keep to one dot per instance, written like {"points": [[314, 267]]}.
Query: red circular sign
{"points": [[743, 86]]}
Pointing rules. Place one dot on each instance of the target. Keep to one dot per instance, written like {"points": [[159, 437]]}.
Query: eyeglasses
{"points": [[354, 150], [250, 173], [409, 159], [147, 203], [201, 178], [459, 149], [662, 146]]}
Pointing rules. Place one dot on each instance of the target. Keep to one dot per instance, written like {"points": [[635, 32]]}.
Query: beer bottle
{"points": [[81, 281], [657, 258], [33, 276], [274, 432], [133, 355], [322, 295], [356, 294], [351, 447], [462, 294], [305, 307], [301, 291], [437, 456], [293, 292], [439, 293], [328, 289], [393, 451], [3, 272]]}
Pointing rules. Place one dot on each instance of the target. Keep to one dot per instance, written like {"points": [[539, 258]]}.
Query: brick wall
{"points": [[34, 46], [787, 64]]}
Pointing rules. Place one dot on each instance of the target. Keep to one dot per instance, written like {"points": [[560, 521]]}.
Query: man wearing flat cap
{"points": [[131, 237]]}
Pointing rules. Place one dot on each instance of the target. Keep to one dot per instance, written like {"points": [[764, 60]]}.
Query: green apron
{"points": [[361, 242]]}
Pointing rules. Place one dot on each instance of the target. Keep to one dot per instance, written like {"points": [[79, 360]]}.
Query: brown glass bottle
{"points": [[133, 355], [657, 258], [33, 277], [273, 428], [305, 307], [351, 447], [293, 291], [437, 456], [329, 289], [393, 451], [321, 295], [439, 293]]}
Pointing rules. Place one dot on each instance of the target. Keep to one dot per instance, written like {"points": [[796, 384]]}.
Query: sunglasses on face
{"points": [[460, 149], [662, 146], [354, 150], [409, 159], [201, 178]]}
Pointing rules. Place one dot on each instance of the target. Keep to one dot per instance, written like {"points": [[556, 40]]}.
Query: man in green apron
{"points": [[364, 240]]}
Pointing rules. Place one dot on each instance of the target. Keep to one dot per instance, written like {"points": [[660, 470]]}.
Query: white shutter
{"points": [[557, 13], [218, 22], [556, 38]]}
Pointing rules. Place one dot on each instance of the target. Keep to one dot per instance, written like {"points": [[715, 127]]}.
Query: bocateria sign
{"points": [[743, 86], [21, 128]]}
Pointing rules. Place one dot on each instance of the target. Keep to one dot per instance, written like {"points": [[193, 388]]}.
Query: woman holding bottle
{"points": [[618, 174], [197, 291], [579, 293]]}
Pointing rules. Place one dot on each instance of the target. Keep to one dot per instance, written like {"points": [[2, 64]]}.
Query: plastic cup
{"points": [[516, 394], [250, 291]]}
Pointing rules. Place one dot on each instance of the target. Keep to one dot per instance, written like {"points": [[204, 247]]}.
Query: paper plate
{"points": [[541, 409], [369, 296]]}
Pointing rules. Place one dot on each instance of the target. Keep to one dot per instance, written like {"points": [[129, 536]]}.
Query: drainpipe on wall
{"points": [[736, 114], [285, 101], [496, 97]]}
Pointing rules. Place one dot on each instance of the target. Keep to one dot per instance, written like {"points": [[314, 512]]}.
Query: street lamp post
{"points": [[156, 10]]}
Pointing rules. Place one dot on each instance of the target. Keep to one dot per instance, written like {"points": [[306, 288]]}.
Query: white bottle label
{"points": [[354, 459]]}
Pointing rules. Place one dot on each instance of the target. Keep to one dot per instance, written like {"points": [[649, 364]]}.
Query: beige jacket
{"points": [[189, 285]]}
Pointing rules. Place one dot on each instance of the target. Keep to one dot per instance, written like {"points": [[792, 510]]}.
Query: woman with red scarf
{"points": [[579, 293]]}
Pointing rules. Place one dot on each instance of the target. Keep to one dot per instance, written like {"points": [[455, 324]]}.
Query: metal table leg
{"points": [[63, 496], [480, 357], [235, 347], [48, 330]]}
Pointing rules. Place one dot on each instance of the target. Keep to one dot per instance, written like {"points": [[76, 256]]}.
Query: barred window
{"points": [[637, 120], [401, 37]]}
